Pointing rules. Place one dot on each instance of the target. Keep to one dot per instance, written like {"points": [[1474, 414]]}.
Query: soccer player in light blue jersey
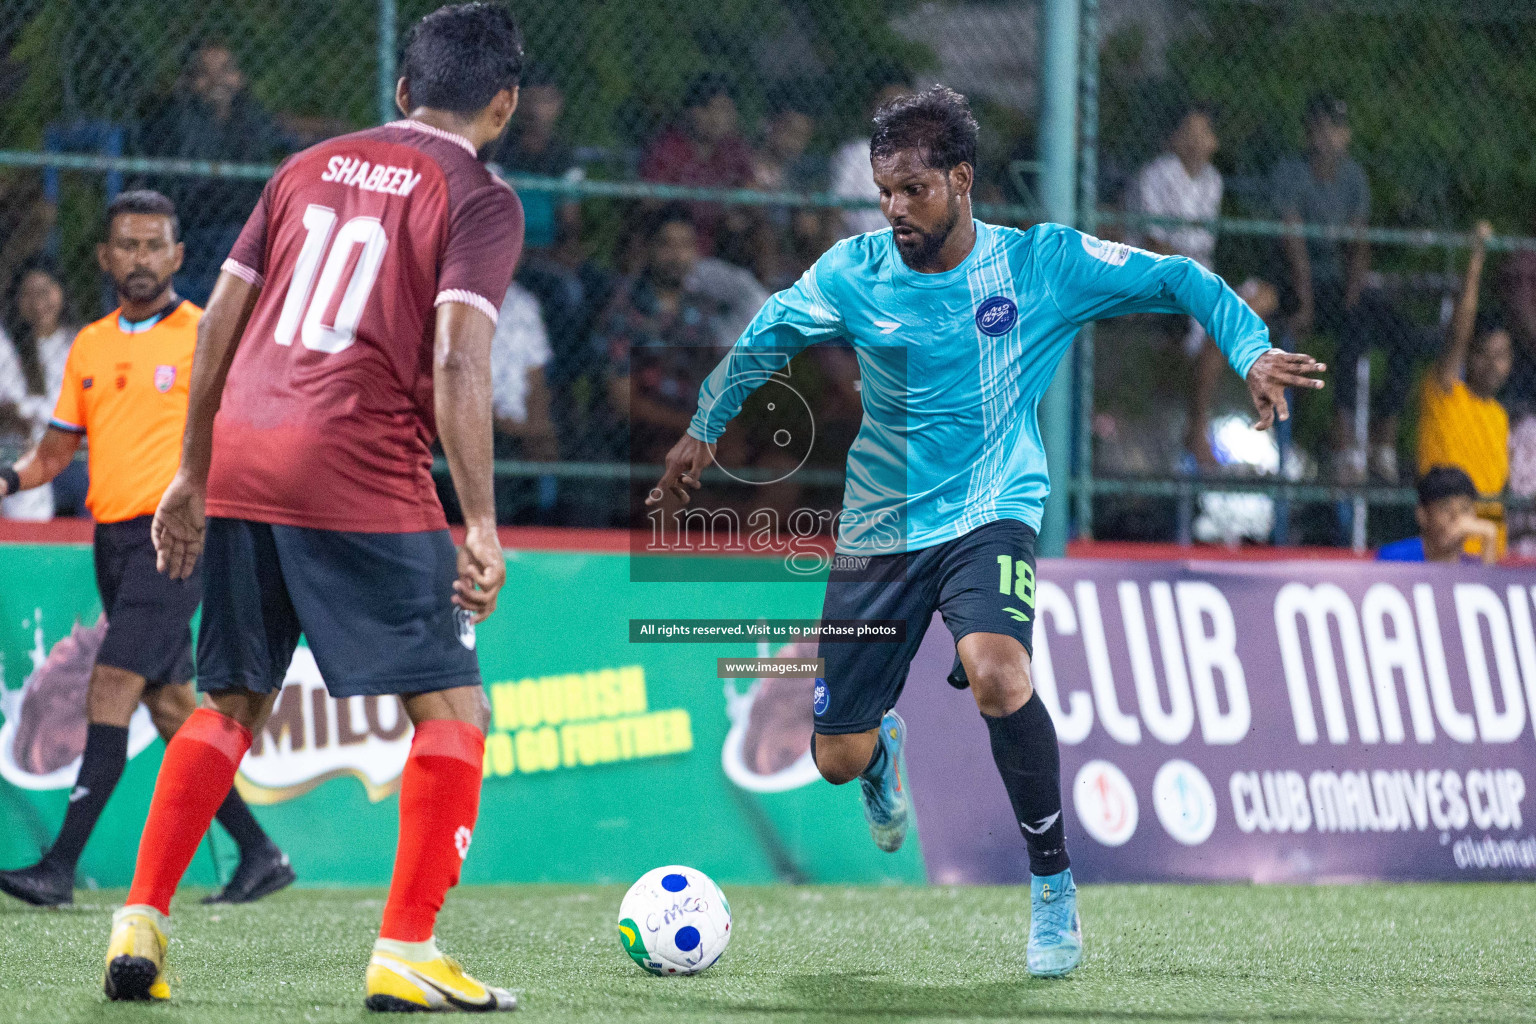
{"points": [[958, 327]]}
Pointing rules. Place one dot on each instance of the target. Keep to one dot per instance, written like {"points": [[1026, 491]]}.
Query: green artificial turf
{"points": [[1154, 953]]}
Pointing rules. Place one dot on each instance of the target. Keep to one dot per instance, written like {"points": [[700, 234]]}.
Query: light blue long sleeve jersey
{"points": [[953, 366]]}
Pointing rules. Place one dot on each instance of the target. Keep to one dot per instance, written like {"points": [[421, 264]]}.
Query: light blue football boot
{"points": [[886, 806], [1055, 929]]}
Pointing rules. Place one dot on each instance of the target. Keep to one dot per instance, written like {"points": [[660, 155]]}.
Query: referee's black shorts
{"points": [[149, 615]]}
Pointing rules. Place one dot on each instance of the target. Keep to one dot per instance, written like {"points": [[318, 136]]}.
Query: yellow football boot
{"points": [[136, 955], [414, 976]]}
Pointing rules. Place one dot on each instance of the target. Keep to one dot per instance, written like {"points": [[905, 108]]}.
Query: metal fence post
{"points": [[387, 40], [1088, 220], [1058, 192]]}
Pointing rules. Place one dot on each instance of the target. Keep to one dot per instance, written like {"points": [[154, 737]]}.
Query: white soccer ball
{"points": [[674, 920]]}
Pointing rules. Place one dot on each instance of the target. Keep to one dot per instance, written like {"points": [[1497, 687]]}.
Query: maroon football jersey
{"points": [[327, 416]]}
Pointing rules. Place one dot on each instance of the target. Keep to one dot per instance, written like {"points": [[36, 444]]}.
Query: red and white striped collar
{"points": [[440, 133]]}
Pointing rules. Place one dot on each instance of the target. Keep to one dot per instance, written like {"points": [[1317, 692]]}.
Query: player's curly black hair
{"points": [[936, 122], [459, 57]]}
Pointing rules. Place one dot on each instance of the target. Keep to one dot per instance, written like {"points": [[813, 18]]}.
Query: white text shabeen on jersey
{"points": [[349, 170]]}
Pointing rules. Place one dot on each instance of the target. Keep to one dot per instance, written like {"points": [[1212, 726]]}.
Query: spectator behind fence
{"points": [[520, 404], [533, 145], [1325, 286], [26, 217], [1448, 523], [34, 346], [850, 173], [782, 163], [666, 329], [211, 116], [781, 240], [1461, 422], [705, 148], [1517, 298], [1182, 183], [572, 290]]}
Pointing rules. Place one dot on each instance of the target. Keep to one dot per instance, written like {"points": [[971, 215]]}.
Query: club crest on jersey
{"points": [[996, 316], [1113, 253], [165, 378], [465, 624]]}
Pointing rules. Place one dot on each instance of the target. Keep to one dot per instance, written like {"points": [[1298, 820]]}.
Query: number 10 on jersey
{"points": [[325, 321]]}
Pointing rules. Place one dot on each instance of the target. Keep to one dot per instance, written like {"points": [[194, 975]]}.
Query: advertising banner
{"points": [[1272, 722], [604, 759], [1218, 721]]}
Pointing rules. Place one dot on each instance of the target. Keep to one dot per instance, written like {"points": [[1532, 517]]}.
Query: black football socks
{"points": [[241, 824], [106, 752], [1024, 747]]}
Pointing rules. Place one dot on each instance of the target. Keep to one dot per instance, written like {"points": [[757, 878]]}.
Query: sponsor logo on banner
{"points": [[311, 737], [1105, 802], [768, 747], [1288, 722], [43, 736], [1185, 802]]}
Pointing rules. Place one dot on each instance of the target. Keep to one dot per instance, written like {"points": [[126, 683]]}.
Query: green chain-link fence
{"points": [[750, 113]]}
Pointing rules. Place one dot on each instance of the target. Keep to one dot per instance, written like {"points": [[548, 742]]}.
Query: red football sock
{"points": [[195, 776], [439, 799]]}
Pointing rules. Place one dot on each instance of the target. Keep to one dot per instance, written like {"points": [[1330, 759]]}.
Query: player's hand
{"points": [[685, 464], [179, 527], [482, 571], [1275, 371], [1487, 533]]}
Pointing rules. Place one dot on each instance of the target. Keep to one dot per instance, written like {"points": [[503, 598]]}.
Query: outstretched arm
{"points": [[1449, 366], [178, 526], [1089, 279], [789, 321]]}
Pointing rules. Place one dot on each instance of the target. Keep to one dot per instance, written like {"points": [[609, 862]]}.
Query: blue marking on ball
{"points": [[674, 883], [687, 938]]}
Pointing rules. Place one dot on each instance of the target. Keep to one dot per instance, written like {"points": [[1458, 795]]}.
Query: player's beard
{"points": [[142, 285], [923, 249]]}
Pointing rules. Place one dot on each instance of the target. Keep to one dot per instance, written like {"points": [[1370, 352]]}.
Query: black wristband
{"points": [[11, 479]]}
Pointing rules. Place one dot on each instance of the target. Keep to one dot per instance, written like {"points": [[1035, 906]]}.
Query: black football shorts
{"points": [[982, 582], [149, 615], [376, 609]]}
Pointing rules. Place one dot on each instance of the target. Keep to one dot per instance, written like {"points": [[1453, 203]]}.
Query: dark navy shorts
{"points": [[149, 615], [376, 609], [983, 582]]}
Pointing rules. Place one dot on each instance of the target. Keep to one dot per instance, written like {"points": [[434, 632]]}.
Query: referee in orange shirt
{"points": [[125, 391]]}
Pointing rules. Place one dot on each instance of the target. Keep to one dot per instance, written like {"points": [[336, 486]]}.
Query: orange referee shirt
{"points": [[125, 389]]}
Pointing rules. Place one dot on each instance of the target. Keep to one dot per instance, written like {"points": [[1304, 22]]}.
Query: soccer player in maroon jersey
{"points": [[350, 326]]}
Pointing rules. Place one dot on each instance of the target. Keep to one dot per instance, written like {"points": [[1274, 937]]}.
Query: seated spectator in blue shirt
{"points": [[1447, 519]]}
